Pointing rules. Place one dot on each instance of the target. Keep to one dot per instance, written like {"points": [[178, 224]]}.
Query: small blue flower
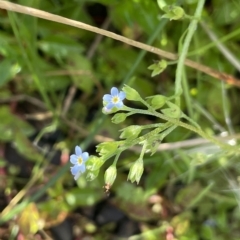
{"points": [[115, 99], [78, 160]]}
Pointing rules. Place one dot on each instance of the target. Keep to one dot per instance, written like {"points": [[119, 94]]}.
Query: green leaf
{"points": [[8, 70], [10, 123], [81, 72], [26, 148], [60, 46]]}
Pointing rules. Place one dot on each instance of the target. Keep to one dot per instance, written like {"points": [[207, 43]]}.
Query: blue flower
{"points": [[115, 99], [78, 160]]}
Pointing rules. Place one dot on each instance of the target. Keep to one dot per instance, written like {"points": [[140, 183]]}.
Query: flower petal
{"points": [[75, 169], [85, 156], [73, 159], [110, 106], [107, 97], [78, 151], [122, 95], [114, 91], [119, 104], [82, 168]]}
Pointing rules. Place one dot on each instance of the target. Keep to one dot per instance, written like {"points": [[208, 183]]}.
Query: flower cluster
{"points": [[78, 160], [115, 99]]}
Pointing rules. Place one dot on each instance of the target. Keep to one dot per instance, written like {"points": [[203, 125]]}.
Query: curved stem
{"points": [[142, 152], [116, 158], [180, 66]]}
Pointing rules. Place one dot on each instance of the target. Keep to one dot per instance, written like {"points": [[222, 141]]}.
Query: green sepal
{"points": [[107, 148], [94, 163], [119, 117], [131, 132], [131, 94], [158, 67], [91, 175], [152, 147]]}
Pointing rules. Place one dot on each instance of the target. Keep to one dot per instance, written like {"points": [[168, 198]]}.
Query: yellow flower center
{"points": [[115, 99], [80, 161]]}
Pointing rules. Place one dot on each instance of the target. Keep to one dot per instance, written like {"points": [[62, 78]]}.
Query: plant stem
{"points": [[180, 66], [189, 127]]}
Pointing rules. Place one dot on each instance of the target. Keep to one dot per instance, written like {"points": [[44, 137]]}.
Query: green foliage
{"points": [[185, 184], [8, 70]]}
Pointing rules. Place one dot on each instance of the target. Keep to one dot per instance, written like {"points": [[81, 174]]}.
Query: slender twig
{"points": [[52, 17]]}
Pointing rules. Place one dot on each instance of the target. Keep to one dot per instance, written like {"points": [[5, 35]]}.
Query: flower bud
{"points": [[110, 175], [158, 101], [119, 117], [136, 171], [107, 148], [131, 94]]}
